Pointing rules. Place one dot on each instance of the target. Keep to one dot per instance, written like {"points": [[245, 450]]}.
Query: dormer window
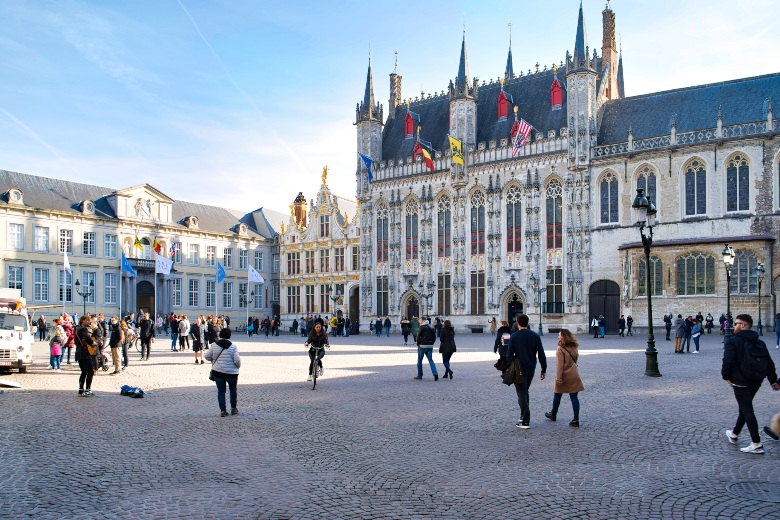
{"points": [[556, 95], [191, 222], [15, 196], [409, 125], [88, 207], [241, 229], [503, 106]]}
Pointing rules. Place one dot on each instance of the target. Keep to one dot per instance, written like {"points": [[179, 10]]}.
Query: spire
{"points": [[509, 72], [368, 97], [581, 40], [462, 81], [368, 109], [621, 88]]}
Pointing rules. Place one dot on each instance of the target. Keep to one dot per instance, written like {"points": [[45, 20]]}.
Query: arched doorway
{"points": [[354, 304], [604, 299], [412, 307], [514, 306], [144, 297]]}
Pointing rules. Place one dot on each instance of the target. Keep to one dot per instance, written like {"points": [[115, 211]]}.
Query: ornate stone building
{"points": [[319, 252], [548, 231]]}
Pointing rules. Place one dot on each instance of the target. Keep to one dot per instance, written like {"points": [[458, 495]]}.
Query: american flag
{"points": [[523, 131]]}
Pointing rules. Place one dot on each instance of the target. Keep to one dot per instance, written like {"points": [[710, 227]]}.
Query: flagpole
{"points": [[120, 291]]}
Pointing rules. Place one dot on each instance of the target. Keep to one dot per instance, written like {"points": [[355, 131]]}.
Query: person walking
{"points": [[447, 347], [414, 327], [594, 325], [426, 337], [630, 325], [58, 338], [67, 325], [42, 328], [492, 323], [184, 332], [224, 368], [602, 325], [378, 326], [709, 323], [115, 341], [695, 334], [567, 376], [668, 323], [146, 333], [317, 343], [525, 345], [437, 326], [197, 340], [174, 333], [387, 326], [746, 362], [777, 330], [501, 344], [679, 333], [621, 326], [86, 349], [406, 329]]}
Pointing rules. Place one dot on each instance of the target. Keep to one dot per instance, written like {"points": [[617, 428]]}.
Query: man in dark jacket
{"points": [[426, 337], [526, 345], [668, 324], [146, 333], [746, 385]]}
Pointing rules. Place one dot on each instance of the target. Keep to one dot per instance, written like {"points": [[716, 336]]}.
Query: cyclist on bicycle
{"points": [[317, 343]]}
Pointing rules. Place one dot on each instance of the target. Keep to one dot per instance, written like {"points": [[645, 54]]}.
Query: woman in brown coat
{"points": [[567, 376]]}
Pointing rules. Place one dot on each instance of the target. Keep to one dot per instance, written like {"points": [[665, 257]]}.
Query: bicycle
{"points": [[316, 364]]}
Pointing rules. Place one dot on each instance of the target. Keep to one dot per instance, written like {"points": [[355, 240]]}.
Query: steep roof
{"points": [[694, 108]]}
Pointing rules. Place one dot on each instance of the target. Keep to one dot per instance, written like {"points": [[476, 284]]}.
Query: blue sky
{"points": [[241, 103]]}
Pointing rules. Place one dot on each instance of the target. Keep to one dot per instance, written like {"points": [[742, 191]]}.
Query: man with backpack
{"points": [[746, 362]]}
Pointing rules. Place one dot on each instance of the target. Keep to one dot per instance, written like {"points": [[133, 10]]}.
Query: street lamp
{"points": [[760, 273], [430, 285], [539, 290], [86, 294], [247, 302], [728, 261], [644, 216]]}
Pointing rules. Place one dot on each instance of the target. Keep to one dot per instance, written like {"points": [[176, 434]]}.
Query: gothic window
{"points": [[554, 303], [646, 180], [556, 94], [412, 230], [444, 229], [381, 234], [503, 106], [513, 220], [695, 274], [609, 198], [743, 273], [554, 215], [382, 296], [478, 292], [478, 223], [656, 276], [409, 124], [695, 188], [738, 184], [444, 296]]}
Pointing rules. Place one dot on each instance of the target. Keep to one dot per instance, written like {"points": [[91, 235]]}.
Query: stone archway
{"points": [[144, 297], [512, 304], [604, 299], [410, 305]]}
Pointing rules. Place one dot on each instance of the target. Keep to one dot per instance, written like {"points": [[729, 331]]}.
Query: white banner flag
{"points": [[254, 276], [66, 267], [162, 265]]}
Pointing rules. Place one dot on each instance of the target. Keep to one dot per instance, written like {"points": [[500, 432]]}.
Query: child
{"points": [[55, 346]]}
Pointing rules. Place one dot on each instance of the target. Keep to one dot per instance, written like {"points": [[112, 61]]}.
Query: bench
{"points": [[476, 329]]}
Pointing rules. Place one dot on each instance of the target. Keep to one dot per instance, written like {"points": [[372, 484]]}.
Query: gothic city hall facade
{"points": [[547, 228]]}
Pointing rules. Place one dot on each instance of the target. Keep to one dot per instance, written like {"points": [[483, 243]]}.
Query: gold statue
{"points": [[325, 174], [282, 227], [346, 219]]}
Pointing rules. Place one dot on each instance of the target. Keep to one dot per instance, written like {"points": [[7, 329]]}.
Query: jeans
{"points": [[320, 354], [630, 332], [124, 354], [601, 331], [426, 351], [387, 330], [378, 331], [230, 380], [686, 343], [146, 346], [522, 397], [267, 329], [174, 339], [575, 404], [346, 332], [68, 349], [668, 332], [55, 361], [88, 370], [696, 342], [744, 397], [41, 333], [777, 333], [445, 358]]}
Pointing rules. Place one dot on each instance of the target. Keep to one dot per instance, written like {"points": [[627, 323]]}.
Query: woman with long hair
{"points": [[567, 376], [501, 344], [86, 349], [317, 343], [447, 346]]}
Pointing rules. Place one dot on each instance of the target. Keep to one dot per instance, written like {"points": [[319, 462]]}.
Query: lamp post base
{"points": [[651, 362], [541, 333]]}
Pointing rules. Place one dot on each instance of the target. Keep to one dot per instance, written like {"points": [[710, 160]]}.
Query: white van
{"points": [[16, 334]]}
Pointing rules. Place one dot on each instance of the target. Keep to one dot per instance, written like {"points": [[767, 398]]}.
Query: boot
{"points": [[551, 415], [575, 422]]}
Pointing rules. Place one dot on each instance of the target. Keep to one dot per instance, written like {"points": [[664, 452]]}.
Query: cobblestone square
{"points": [[371, 442]]}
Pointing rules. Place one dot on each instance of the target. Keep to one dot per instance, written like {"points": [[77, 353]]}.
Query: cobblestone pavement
{"points": [[371, 442]]}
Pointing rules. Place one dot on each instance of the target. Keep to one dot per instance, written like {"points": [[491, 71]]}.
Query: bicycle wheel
{"points": [[314, 376], [137, 343]]}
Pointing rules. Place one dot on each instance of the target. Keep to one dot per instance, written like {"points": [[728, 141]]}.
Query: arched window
{"points": [[738, 184], [444, 229], [412, 230], [656, 276], [556, 94], [554, 215], [513, 220], [503, 106], [381, 234], [478, 223], [609, 198], [695, 188], [695, 274], [743, 273], [646, 181]]}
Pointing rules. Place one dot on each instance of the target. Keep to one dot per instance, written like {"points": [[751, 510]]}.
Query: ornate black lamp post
{"points": [[728, 261], [86, 294], [644, 216], [538, 290], [760, 273], [430, 285]]}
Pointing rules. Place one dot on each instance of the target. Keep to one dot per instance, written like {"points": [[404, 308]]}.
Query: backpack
{"points": [[754, 364]]}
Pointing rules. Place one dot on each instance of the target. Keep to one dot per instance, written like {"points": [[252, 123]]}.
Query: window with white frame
{"points": [[110, 287], [338, 258], [259, 260], [243, 258], [177, 257], [110, 246], [227, 258], [40, 284], [227, 295], [66, 240], [355, 258], [16, 278], [324, 298], [65, 285], [293, 299], [176, 292], [41, 239], [259, 296], [194, 254], [324, 260], [87, 278], [276, 263], [309, 306], [211, 293], [194, 293], [88, 244], [243, 297], [211, 256], [324, 226], [275, 293], [16, 236]]}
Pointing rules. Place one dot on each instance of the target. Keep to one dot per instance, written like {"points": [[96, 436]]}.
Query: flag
{"points": [[137, 243], [254, 276], [157, 246], [66, 267], [457, 151], [521, 136], [420, 150], [220, 272], [368, 162], [127, 267], [172, 252], [162, 265]]}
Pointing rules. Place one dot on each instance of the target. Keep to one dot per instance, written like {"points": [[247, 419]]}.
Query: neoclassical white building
{"points": [[549, 231]]}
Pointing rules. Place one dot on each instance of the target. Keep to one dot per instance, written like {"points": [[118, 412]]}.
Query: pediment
{"points": [[143, 202]]}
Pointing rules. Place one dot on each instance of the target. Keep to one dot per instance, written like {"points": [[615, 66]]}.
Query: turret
{"points": [[620, 87], [395, 90], [369, 133], [509, 72], [581, 80], [609, 54], [463, 110]]}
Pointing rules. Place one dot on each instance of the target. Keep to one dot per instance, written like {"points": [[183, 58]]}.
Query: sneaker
{"points": [[322, 371], [771, 434], [81, 393], [224, 414], [51, 368], [523, 425], [731, 437], [695, 351], [752, 448], [308, 378], [59, 370], [234, 411], [88, 393]]}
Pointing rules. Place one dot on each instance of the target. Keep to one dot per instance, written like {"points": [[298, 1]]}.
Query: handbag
{"points": [[211, 372]]}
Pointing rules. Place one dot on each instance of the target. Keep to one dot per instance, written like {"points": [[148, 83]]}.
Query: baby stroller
{"points": [[102, 358]]}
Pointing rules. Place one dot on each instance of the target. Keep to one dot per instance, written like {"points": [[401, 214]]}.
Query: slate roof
{"points": [[62, 195], [696, 108], [530, 93]]}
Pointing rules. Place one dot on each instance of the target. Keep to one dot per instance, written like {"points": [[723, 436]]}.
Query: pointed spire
{"points": [[509, 72], [462, 81], [368, 97], [581, 41], [621, 88]]}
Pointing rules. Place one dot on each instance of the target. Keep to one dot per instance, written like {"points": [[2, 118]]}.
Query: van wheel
{"points": [[23, 370]]}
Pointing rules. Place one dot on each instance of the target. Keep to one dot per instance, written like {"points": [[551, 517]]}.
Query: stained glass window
{"points": [[743, 273], [554, 215], [513, 220], [738, 184], [381, 234], [412, 231], [478, 223], [656, 276], [647, 181], [695, 274], [695, 188], [609, 198], [444, 229]]}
